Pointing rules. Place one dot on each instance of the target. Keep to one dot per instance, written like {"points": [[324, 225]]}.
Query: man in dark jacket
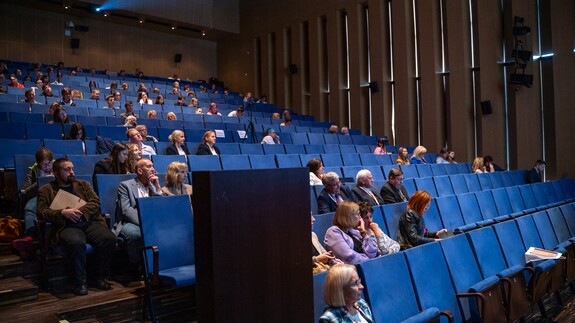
{"points": [[534, 175], [393, 191], [333, 194]]}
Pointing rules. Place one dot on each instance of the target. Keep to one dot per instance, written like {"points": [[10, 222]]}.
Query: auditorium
{"points": [[160, 158]]}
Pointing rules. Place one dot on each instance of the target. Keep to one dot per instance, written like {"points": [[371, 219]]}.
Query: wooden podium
{"points": [[253, 245]]}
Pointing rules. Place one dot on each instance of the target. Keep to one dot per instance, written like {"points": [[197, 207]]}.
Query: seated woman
{"points": [[347, 238], [451, 157], [412, 230], [171, 116], [143, 98], [478, 166], [213, 109], [417, 157], [209, 145], [159, 99], [402, 157], [77, 132], [322, 260], [60, 116], [380, 148], [152, 114], [271, 138], [315, 171], [130, 121], [342, 293], [176, 175], [134, 154], [385, 244], [178, 146], [115, 163], [442, 156]]}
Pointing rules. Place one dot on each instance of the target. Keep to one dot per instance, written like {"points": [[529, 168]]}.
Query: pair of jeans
{"points": [[133, 238]]}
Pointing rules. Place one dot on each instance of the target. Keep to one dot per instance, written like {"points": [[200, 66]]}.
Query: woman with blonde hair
{"points": [[342, 292], [171, 116], [134, 154], [402, 157], [176, 175], [478, 166], [417, 157], [152, 114], [178, 146], [347, 238], [208, 147], [412, 230]]}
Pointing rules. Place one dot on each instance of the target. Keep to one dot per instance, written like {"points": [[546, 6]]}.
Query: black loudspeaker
{"points": [[75, 43], [374, 87], [486, 107], [293, 68], [178, 58]]}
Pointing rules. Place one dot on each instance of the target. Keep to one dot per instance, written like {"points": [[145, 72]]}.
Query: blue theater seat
{"points": [[485, 181], [12, 130], [350, 159], [234, 162], [451, 169], [438, 169], [487, 205], [391, 215], [368, 159], [314, 149], [252, 149], [426, 184], [46, 131], [331, 160], [204, 162], [472, 182], [84, 164], [459, 184], [10, 147], [64, 147], [450, 212], [363, 149], [106, 185], [161, 162], [506, 178], [274, 149], [295, 149], [424, 170], [443, 185], [409, 171], [503, 204], [496, 180], [229, 148], [288, 160], [262, 161], [470, 211]]}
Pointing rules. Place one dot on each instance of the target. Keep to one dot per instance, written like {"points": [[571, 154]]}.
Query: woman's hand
{"points": [[375, 228], [325, 258], [440, 232]]}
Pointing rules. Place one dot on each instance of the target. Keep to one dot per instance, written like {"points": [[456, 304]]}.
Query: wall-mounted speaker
{"points": [[292, 68], [374, 87], [486, 107], [178, 58], [75, 43]]}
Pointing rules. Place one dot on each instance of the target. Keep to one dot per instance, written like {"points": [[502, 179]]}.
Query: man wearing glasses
{"points": [[393, 191]]}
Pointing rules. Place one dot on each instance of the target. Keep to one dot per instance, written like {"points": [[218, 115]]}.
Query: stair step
{"points": [[17, 290]]}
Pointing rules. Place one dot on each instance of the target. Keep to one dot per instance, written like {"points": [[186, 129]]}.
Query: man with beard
{"points": [[74, 227]]}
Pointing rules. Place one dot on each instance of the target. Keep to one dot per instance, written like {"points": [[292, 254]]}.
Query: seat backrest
{"points": [[385, 160], [506, 178], [528, 196], [22, 163], [345, 140], [409, 171], [298, 138], [376, 172], [274, 149], [545, 228], [391, 215], [64, 147], [451, 169], [541, 193], [350, 172], [515, 198], [347, 149], [485, 181], [262, 161], [463, 168], [459, 184], [46, 131], [426, 184], [229, 148], [319, 305], [162, 219], [10, 147], [496, 179], [368, 159], [322, 223], [432, 287], [378, 288], [204, 162], [569, 215], [314, 149], [316, 138], [469, 208], [559, 225], [424, 170], [502, 201], [529, 233], [252, 149], [558, 190], [114, 133], [234, 162], [486, 204], [510, 240], [331, 160], [161, 162], [84, 164], [432, 219], [443, 185], [107, 186], [438, 169], [288, 160], [295, 149], [449, 211], [518, 176], [487, 251], [472, 182], [351, 159]]}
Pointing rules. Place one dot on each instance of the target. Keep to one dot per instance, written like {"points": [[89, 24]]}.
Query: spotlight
{"points": [[141, 20], [521, 79], [66, 6], [106, 13], [98, 9], [173, 27], [203, 32]]}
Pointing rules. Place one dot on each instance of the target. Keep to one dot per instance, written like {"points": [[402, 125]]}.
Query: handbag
{"points": [[10, 229]]}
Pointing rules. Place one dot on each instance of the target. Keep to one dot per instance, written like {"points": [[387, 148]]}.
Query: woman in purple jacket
{"points": [[347, 238]]}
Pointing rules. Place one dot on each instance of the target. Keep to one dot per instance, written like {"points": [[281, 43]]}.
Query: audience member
{"points": [[176, 175], [181, 101], [127, 224], [315, 167], [344, 131], [322, 259], [213, 109], [142, 89], [171, 116], [124, 86], [116, 163], [380, 148], [67, 97], [347, 238], [239, 112], [275, 115], [77, 132], [130, 121], [159, 100], [37, 85], [14, 82], [143, 98], [478, 166], [110, 100], [77, 94], [134, 154], [47, 91], [29, 198], [451, 157], [333, 194], [417, 157], [30, 95], [535, 174], [129, 106], [385, 244], [208, 147], [178, 146], [199, 110], [271, 138], [402, 157], [143, 130], [491, 167], [442, 156], [393, 191], [76, 226], [364, 190], [95, 95], [53, 107], [412, 230], [135, 137], [193, 103], [333, 129], [60, 116], [152, 114], [342, 292]]}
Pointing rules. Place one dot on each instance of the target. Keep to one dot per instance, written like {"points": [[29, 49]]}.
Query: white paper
{"points": [[65, 200], [534, 254], [220, 133], [242, 134]]}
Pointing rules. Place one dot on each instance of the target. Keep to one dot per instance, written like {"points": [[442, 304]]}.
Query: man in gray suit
{"points": [[393, 191], [364, 190], [127, 224]]}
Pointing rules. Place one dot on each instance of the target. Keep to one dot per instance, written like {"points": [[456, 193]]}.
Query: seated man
{"points": [[393, 191], [364, 190], [333, 194], [135, 137], [30, 97], [76, 226], [143, 130], [129, 106], [145, 184], [534, 175]]}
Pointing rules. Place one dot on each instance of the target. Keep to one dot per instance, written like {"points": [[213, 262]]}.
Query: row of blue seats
{"points": [[468, 211], [470, 272]]}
